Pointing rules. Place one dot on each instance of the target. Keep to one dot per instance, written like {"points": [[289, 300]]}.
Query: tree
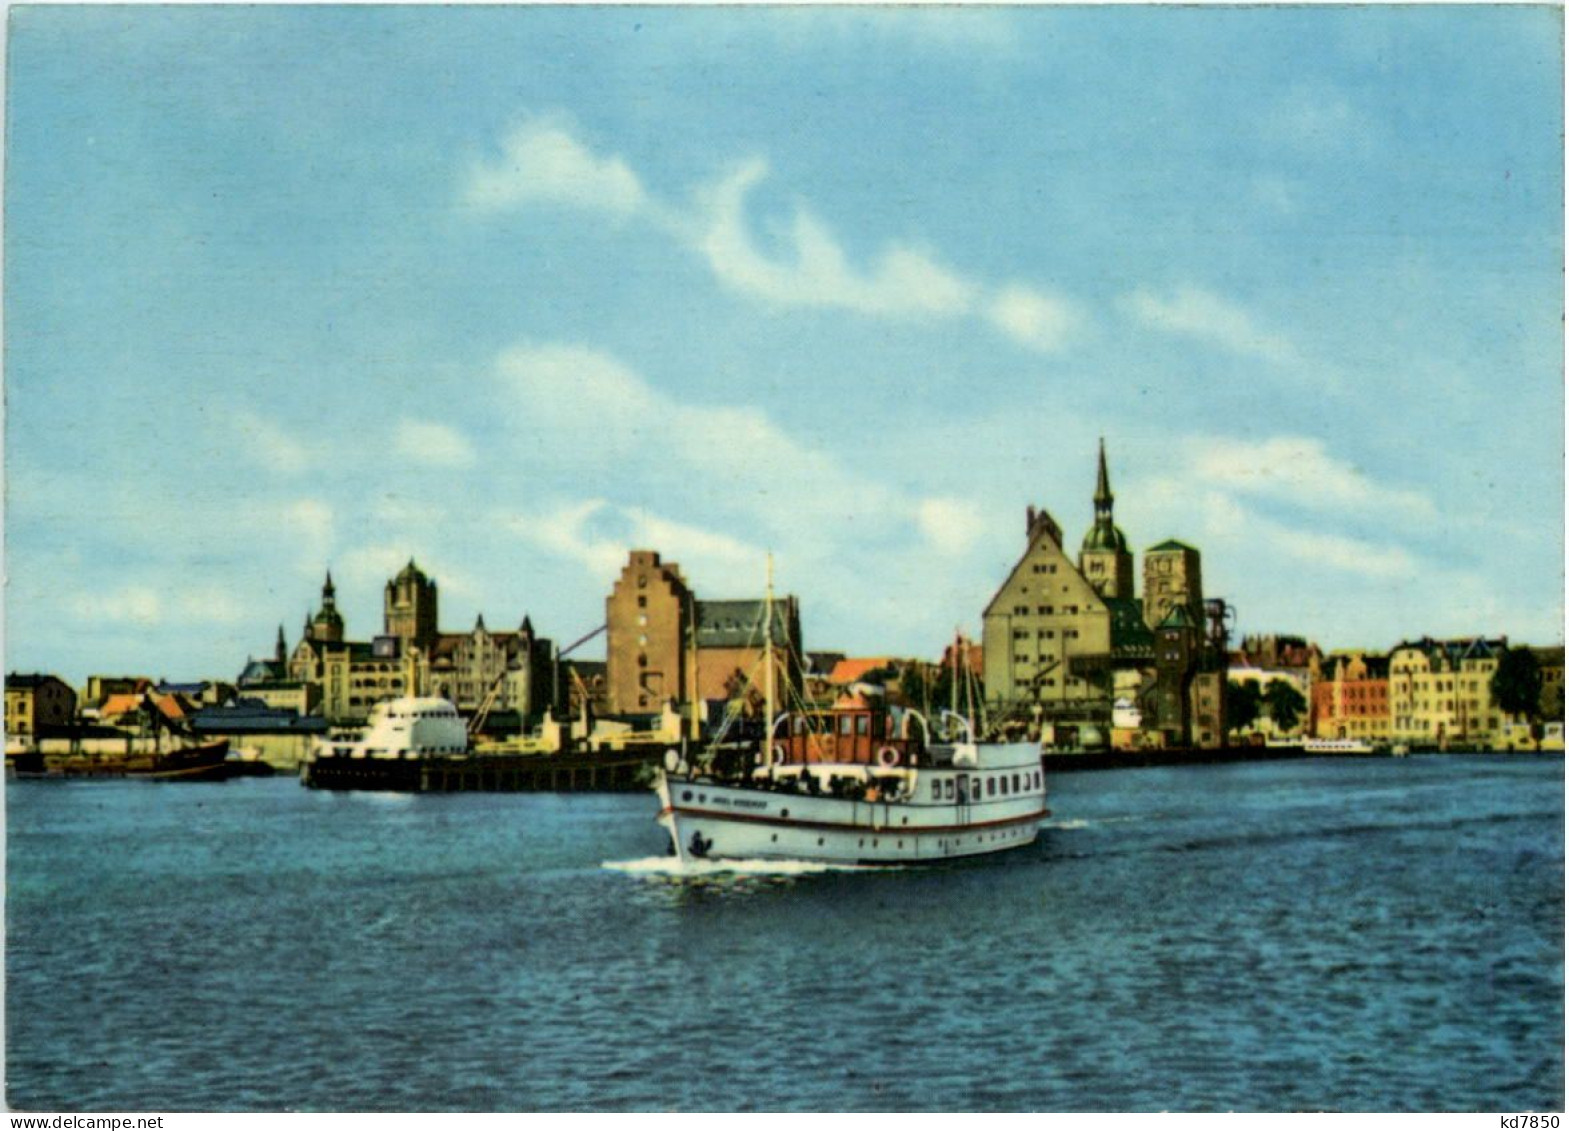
{"points": [[1243, 704], [1285, 703], [1517, 687]]}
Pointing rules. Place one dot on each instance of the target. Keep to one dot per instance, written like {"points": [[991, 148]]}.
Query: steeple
{"points": [[1104, 535], [1104, 559], [1103, 496], [327, 625], [281, 653]]}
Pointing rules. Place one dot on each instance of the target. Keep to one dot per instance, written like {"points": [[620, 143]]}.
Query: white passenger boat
{"points": [[409, 727], [850, 786], [1336, 746]]}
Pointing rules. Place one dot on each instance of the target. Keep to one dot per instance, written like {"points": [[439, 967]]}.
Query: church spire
{"points": [[1103, 495], [1104, 535]]}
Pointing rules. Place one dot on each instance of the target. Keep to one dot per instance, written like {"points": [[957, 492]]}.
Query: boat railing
{"points": [[949, 718]]}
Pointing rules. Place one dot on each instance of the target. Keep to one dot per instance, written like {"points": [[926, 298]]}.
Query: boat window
{"points": [[936, 790], [863, 725], [1005, 785], [845, 722], [948, 789], [1037, 779], [991, 787], [1016, 783]]}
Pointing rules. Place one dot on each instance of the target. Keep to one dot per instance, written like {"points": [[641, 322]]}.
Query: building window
{"points": [[642, 601]]}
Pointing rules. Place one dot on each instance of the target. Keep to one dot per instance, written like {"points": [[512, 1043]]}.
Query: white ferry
{"points": [[850, 786], [410, 727], [847, 793]]}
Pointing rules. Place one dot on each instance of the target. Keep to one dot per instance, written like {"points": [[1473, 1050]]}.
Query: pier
{"points": [[619, 771]]}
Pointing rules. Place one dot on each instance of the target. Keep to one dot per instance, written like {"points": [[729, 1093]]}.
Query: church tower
{"points": [[410, 607], [327, 626], [1104, 559]]}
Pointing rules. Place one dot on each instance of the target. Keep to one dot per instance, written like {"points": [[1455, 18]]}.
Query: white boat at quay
{"points": [[1336, 746], [851, 785], [410, 727]]}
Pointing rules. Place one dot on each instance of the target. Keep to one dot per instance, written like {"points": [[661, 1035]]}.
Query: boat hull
{"points": [[200, 762], [932, 822]]}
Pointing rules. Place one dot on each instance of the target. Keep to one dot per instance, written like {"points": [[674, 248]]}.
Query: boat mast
{"points": [[768, 656]]}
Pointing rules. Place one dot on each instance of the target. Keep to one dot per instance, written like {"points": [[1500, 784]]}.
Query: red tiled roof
{"points": [[170, 706], [850, 670]]}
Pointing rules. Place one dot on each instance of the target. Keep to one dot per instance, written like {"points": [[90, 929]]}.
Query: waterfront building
{"points": [[479, 671], [648, 626], [1046, 640], [100, 687], [1440, 692], [279, 736], [1350, 697], [268, 681], [664, 645], [36, 703], [1064, 643], [1173, 575]]}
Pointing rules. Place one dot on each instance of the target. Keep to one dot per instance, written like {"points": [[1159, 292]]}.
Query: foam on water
{"points": [[683, 869]]}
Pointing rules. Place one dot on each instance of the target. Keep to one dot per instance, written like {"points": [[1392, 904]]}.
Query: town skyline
{"points": [[309, 289]]}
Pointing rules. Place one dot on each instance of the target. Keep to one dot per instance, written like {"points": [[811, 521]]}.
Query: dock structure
{"points": [[619, 771]]}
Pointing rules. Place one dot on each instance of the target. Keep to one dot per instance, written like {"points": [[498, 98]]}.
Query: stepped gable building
{"points": [[1065, 642], [663, 645], [499, 671]]}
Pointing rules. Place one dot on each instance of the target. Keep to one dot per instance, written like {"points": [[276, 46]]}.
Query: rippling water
{"points": [[1356, 934]]}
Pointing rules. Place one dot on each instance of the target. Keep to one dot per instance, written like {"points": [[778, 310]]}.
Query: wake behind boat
{"points": [[852, 785]]}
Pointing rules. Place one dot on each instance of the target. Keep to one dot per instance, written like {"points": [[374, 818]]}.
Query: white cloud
{"points": [[545, 163], [816, 272], [434, 445], [951, 526], [1241, 530], [1340, 552], [755, 486], [132, 604], [1207, 317], [1298, 469], [145, 606], [1042, 322], [541, 161], [563, 531]]}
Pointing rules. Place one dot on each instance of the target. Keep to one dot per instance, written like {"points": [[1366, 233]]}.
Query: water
{"points": [[1356, 934]]}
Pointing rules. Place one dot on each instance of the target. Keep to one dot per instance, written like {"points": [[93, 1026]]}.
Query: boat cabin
{"points": [[854, 731]]}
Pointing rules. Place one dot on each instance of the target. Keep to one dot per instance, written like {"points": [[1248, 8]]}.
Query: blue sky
{"points": [[512, 290]]}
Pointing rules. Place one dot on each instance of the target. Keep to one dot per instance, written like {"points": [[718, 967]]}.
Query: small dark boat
{"points": [[205, 761]]}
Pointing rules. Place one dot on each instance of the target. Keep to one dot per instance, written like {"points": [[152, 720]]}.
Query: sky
{"points": [[511, 291]]}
